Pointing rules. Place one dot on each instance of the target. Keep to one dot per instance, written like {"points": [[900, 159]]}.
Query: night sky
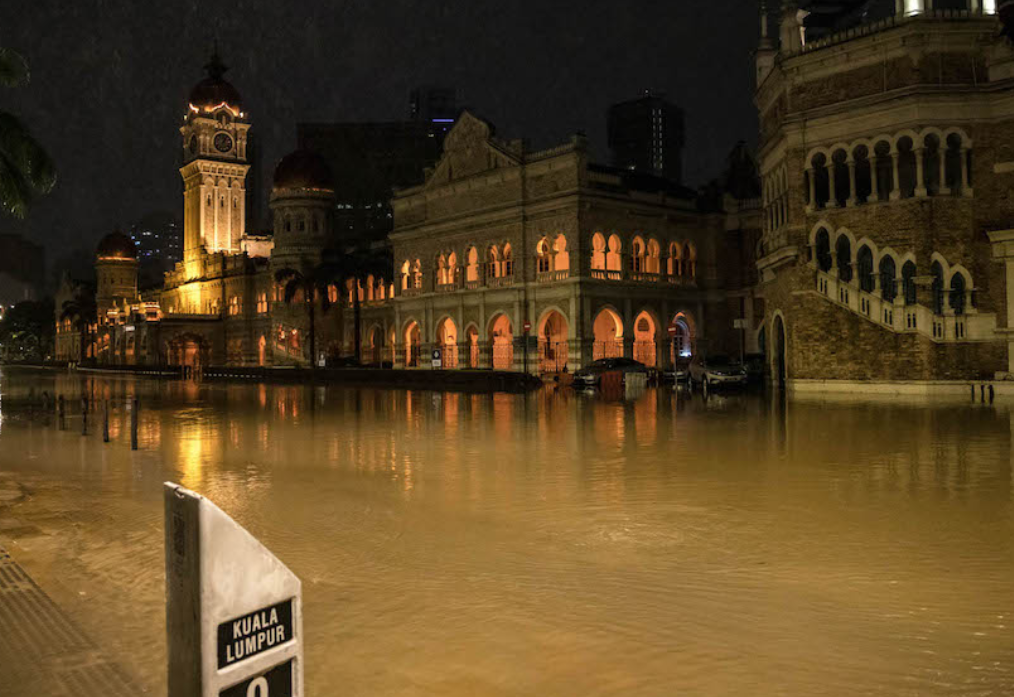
{"points": [[110, 79]]}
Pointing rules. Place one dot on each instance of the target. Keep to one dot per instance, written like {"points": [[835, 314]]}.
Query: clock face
{"points": [[193, 144], [223, 143]]}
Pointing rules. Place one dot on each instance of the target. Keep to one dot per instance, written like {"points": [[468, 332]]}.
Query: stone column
{"points": [[813, 190], [920, 175], [966, 190], [851, 200], [895, 183], [874, 183], [832, 186], [944, 189]]}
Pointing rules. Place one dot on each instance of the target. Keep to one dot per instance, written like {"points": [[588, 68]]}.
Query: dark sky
{"points": [[110, 80]]}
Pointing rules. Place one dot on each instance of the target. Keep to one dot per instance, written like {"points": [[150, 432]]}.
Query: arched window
{"points": [[957, 299], [842, 181], [405, 275], [822, 250], [598, 259], [937, 271], [451, 276], [417, 275], [542, 258], [472, 268], [493, 262], [864, 267], [561, 259], [614, 261], [888, 284], [931, 164], [821, 181], [906, 167], [508, 261], [690, 261], [843, 255], [637, 256], [884, 167], [952, 163], [675, 256], [653, 264], [369, 288], [441, 269], [864, 181], [908, 282]]}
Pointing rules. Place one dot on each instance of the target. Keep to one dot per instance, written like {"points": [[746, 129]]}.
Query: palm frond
{"points": [[13, 68]]}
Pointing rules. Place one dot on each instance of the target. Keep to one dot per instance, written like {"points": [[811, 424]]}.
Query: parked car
{"points": [[714, 371], [592, 373], [677, 373]]}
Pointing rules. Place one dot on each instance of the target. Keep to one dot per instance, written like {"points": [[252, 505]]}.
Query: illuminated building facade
{"points": [[887, 158]]}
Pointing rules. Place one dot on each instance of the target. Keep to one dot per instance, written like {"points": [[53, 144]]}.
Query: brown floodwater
{"points": [[551, 544]]}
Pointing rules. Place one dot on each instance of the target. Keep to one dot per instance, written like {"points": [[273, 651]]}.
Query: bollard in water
{"points": [[982, 393], [973, 393], [133, 424], [105, 422], [61, 424], [992, 394]]}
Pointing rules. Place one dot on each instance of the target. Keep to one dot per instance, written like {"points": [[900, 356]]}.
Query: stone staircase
{"points": [[895, 316]]}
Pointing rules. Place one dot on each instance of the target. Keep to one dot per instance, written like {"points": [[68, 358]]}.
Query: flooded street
{"points": [[555, 544]]}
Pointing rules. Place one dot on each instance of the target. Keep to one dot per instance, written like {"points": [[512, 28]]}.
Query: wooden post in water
{"points": [[105, 421], [84, 415], [133, 423], [61, 424]]}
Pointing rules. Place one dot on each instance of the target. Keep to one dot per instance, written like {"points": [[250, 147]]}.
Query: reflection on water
{"points": [[557, 543]]}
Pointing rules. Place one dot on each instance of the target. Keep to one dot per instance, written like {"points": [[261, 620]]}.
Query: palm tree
{"points": [[83, 310], [311, 283], [26, 171], [357, 266]]}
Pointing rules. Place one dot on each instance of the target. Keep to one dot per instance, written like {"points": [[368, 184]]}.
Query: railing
{"points": [[604, 275], [473, 355], [409, 292], [553, 276], [503, 356], [553, 356], [500, 281], [449, 356], [644, 352], [895, 315], [473, 285], [447, 287], [645, 277], [607, 349]]}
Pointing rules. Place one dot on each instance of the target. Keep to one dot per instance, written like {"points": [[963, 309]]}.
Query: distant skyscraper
{"points": [[159, 241], [437, 106], [647, 135]]}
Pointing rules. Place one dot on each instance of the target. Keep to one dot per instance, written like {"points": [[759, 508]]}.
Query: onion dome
{"points": [[303, 169], [213, 90], [116, 245]]}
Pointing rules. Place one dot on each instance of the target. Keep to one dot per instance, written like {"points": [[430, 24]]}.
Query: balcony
{"points": [[604, 275], [553, 276], [500, 281]]}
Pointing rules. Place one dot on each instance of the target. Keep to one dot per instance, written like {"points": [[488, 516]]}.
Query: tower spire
{"points": [[215, 67]]}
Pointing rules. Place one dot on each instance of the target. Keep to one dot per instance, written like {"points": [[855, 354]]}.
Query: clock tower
{"points": [[214, 168]]}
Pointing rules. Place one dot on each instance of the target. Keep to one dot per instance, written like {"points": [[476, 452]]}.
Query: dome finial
{"points": [[215, 67]]}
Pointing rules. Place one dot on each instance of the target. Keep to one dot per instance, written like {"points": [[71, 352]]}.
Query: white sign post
{"points": [[234, 613]]}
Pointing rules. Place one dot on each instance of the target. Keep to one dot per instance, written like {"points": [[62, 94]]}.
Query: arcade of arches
{"points": [[555, 345]]}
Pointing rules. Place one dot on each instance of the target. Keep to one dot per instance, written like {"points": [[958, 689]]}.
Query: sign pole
{"points": [[234, 613], [528, 328]]}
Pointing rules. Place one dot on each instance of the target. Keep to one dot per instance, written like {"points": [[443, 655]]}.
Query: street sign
{"points": [[527, 326], [672, 331], [234, 617], [437, 359], [739, 324]]}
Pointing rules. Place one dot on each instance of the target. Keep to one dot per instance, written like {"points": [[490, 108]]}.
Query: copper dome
{"points": [[116, 245], [214, 90], [303, 169]]}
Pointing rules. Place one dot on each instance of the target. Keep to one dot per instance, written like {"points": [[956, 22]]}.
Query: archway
{"points": [[376, 345], [473, 347], [447, 342], [190, 352], [608, 332], [645, 331], [780, 351], [413, 340], [501, 340], [682, 345], [553, 346]]}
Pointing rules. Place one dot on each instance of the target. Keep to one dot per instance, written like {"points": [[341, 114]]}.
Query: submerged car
{"points": [[677, 373], [593, 372], [715, 371]]}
